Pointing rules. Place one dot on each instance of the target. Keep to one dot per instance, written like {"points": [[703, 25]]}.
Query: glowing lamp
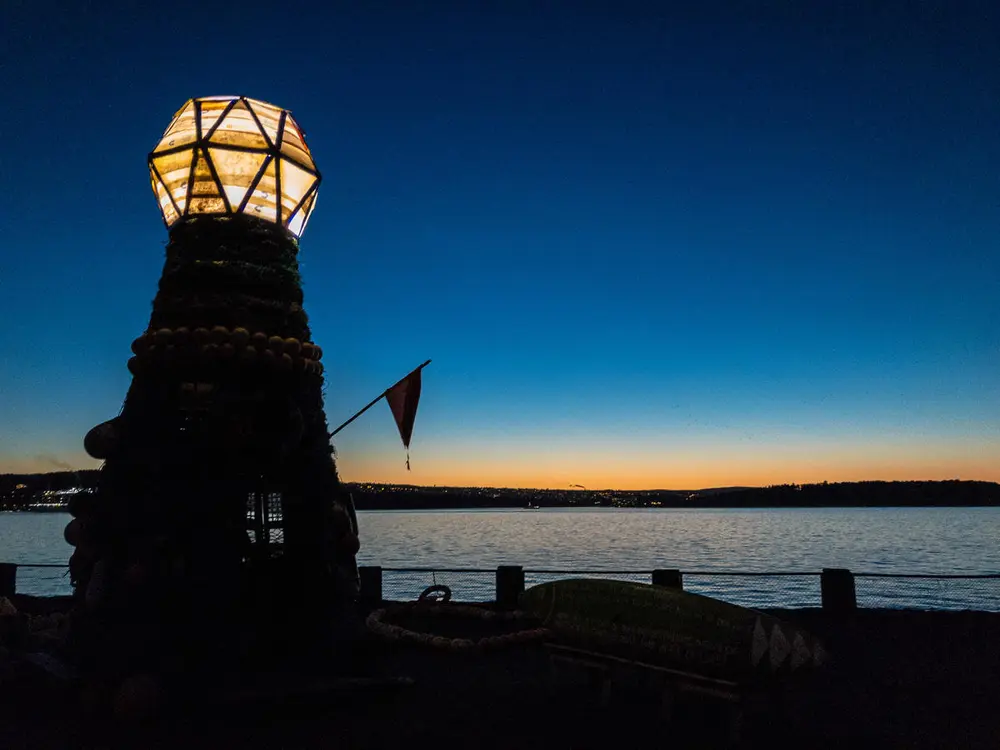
{"points": [[231, 154]]}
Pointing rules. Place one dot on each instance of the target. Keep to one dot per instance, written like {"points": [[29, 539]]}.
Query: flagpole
{"points": [[378, 398]]}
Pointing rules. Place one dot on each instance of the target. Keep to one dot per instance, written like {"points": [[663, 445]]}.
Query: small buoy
{"points": [[81, 503], [319, 354], [163, 335], [140, 344], [84, 554], [292, 346], [268, 356], [133, 365], [201, 336], [77, 567], [259, 340], [100, 441], [72, 532], [182, 336], [220, 334], [350, 544], [227, 350], [285, 362], [241, 336], [308, 350], [210, 351], [249, 355], [276, 344]]}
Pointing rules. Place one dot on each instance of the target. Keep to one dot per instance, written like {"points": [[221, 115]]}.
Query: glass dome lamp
{"points": [[231, 154]]}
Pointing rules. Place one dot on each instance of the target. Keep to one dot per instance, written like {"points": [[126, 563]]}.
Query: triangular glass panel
{"points": [[263, 202], [297, 223], [293, 145], [181, 131], [174, 169], [301, 217], [159, 189], [179, 195], [269, 117], [295, 150], [235, 196], [295, 183], [167, 208], [236, 170], [204, 182], [211, 111], [238, 128]]}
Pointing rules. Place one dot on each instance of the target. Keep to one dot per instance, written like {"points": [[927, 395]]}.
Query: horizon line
{"points": [[579, 488]]}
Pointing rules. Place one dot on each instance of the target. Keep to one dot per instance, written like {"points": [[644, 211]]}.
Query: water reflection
{"points": [[900, 540]]}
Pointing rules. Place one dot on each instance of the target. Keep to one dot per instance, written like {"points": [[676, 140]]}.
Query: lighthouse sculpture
{"points": [[219, 530]]}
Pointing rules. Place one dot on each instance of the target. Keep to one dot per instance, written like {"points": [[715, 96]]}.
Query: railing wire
{"points": [[756, 589]]}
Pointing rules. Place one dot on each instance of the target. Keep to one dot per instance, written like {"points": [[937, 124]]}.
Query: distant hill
{"points": [[23, 491], [949, 493], [712, 490], [54, 480]]}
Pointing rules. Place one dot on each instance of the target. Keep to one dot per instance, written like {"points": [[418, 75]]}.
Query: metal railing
{"points": [[833, 589]]}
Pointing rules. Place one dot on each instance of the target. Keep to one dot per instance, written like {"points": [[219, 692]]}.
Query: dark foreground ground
{"points": [[901, 680]]}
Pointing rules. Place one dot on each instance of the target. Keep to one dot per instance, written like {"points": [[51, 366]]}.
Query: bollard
{"points": [[8, 579], [510, 585], [370, 577], [837, 587], [669, 578]]}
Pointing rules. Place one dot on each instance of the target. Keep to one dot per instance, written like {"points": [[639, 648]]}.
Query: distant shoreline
{"points": [[65, 508], [28, 491], [52, 491]]}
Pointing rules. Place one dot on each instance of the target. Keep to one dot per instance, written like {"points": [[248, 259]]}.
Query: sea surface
{"points": [[709, 546]]}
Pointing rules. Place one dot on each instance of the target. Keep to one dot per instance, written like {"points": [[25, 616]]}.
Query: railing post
{"points": [[837, 586], [510, 585], [670, 578], [8, 579], [370, 578]]}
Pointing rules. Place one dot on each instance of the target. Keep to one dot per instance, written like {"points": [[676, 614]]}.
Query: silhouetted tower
{"points": [[219, 520]]}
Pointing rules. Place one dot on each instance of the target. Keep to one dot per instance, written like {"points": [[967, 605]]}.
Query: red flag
{"points": [[403, 399]]}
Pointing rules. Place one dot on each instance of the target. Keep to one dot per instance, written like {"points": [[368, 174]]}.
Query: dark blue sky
{"points": [[645, 246]]}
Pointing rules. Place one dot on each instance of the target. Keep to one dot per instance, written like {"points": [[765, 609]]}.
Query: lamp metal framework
{"points": [[232, 154]]}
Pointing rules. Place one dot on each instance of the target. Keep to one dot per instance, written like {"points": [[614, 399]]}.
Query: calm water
{"points": [[870, 540]]}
